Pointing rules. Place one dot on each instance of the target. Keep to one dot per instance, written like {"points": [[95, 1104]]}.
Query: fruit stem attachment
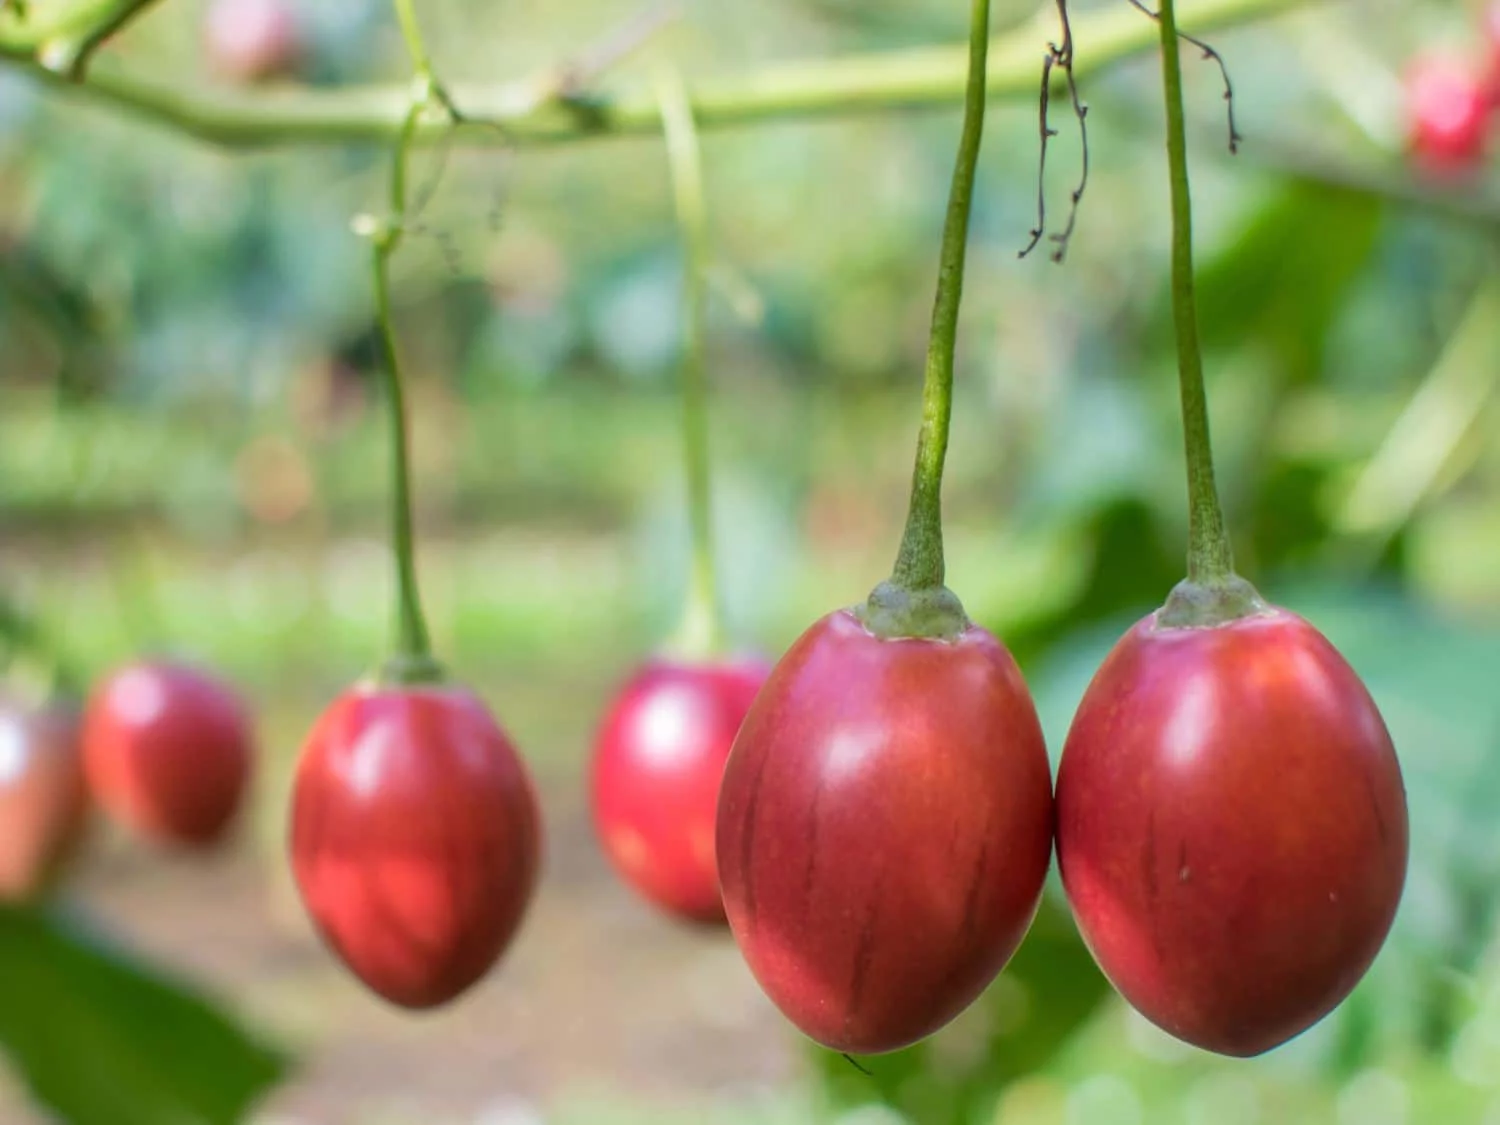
{"points": [[914, 602], [413, 661], [1210, 559], [702, 629], [1212, 593]]}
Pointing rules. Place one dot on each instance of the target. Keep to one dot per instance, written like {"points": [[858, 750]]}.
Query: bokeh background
{"points": [[192, 461]]}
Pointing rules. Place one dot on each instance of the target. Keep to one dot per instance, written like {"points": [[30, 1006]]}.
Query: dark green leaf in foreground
{"points": [[100, 1040]]}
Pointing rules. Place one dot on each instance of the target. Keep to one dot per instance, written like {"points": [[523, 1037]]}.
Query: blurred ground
{"points": [[597, 991]]}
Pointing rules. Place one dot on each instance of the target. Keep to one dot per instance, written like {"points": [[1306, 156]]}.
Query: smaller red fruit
{"points": [[415, 839], [1449, 112], [168, 751], [252, 40], [658, 762], [43, 798]]}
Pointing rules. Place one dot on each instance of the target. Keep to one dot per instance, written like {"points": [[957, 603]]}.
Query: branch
{"points": [[529, 112], [59, 38]]}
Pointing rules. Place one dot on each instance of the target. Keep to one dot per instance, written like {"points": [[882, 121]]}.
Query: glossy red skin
{"points": [[884, 830], [1449, 108], [1232, 828], [654, 784], [169, 752], [44, 800], [252, 40], [415, 839]]}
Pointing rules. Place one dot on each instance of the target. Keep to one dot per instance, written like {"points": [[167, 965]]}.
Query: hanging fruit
{"points": [[415, 835], [885, 822], [169, 752], [251, 41], [44, 802], [1232, 827], [1450, 108], [660, 751], [658, 762]]}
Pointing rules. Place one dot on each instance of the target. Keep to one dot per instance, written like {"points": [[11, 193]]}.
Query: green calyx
{"points": [[893, 612], [410, 670], [1204, 604]]}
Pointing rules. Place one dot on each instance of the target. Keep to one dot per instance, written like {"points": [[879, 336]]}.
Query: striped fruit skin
{"points": [[884, 830], [1232, 828], [415, 839]]}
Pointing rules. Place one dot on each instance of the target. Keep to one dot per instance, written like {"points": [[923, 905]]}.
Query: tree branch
{"points": [[529, 112], [60, 37]]}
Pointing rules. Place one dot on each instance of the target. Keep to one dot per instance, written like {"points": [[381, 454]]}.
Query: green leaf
{"points": [[101, 1040]]}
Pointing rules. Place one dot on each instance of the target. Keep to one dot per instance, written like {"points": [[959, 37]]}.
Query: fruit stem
{"points": [[919, 563], [413, 661], [411, 32], [1210, 558], [703, 622]]}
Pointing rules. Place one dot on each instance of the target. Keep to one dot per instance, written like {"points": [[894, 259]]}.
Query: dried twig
{"points": [[1209, 54], [1059, 56]]}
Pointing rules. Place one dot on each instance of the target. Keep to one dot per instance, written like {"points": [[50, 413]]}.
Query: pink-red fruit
{"points": [[44, 801], [253, 40], [885, 827], [1231, 828], [415, 839], [658, 762], [1449, 113], [168, 751]]}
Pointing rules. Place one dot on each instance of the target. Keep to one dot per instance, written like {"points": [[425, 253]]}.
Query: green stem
{"points": [[1210, 560], [703, 627], [520, 112], [913, 602], [919, 563], [413, 659], [411, 32], [63, 31]]}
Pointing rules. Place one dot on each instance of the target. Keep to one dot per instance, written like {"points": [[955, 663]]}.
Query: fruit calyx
{"points": [[1204, 604], [895, 612], [411, 670]]}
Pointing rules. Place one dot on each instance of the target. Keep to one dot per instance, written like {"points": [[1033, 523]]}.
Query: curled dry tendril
{"points": [[1059, 57], [1210, 55]]}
